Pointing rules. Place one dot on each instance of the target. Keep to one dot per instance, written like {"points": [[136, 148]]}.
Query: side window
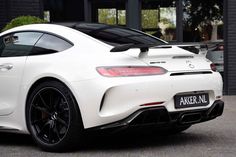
{"points": [[18, 44], [50, 44]]}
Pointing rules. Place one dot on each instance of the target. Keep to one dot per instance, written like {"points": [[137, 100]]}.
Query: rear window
{"points": [[115, 35]]}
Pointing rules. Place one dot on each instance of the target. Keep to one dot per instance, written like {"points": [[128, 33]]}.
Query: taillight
{"points": [[130, 71], [213, 67]]}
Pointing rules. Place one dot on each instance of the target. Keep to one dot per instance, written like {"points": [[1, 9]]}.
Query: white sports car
{"points": [[58, 82]]}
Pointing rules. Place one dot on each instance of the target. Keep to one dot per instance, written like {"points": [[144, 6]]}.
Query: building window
{"points": [[112, 16], [47, 16], [159, 19]]}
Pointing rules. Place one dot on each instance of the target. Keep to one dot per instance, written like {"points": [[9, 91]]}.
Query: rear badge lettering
{"points": [[193, 100], [182, 101]]}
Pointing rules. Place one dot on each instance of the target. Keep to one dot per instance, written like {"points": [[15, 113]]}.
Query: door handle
{"points": [[6, 67]]}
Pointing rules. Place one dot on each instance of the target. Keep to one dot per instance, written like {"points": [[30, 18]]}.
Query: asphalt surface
{"points": [[216, 138]]}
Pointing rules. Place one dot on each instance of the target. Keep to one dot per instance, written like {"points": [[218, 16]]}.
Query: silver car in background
{"points": [[216, 54]]}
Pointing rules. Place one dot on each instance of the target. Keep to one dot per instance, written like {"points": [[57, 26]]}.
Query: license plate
{"points": [[191, 100]]}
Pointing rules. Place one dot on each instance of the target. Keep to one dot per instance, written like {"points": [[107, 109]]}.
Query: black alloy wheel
{"points": [[53, 117]]}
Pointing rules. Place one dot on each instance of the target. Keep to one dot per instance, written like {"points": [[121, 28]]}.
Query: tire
{"points": [[53, 117]]}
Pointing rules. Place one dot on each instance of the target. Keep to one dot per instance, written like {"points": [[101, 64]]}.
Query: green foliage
{"points": [[154, 18], [121, 17], [108, 16], [23, 20], [150, 18], [202, 12]]}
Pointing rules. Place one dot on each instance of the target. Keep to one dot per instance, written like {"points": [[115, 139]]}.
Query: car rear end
{"points": [[186, 91], [161, 85], [159, 90]]}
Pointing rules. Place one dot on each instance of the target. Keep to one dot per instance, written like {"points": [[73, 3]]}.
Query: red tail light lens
{"points": [[213, 67], [130, 71]]}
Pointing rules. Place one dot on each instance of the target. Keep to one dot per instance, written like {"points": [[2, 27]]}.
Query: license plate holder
{"points": [[191, 100]]}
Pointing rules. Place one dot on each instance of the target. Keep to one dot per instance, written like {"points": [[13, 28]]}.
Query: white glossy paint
{"points": [[76, 67]]}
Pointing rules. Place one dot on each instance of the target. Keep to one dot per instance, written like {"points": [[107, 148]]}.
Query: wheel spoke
{"points": [[44, 103], [57, 132], [50, 99], [38, 121], [41, 109], [57, 102], [62, 122], [40, 133], [50, 133], [63, 111]]}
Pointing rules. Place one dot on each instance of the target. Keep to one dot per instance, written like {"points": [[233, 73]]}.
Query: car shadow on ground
{"points": [[136, 140], [119, 141], [12, 139]]}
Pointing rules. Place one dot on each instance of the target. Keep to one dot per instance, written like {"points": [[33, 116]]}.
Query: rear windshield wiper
{"points": [[142, 47]]}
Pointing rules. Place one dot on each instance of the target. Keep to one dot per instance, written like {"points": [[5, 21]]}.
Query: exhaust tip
{"points": [[190, 118]]}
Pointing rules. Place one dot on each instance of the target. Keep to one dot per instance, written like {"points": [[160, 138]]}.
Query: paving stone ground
{"points": [[216, 138]]}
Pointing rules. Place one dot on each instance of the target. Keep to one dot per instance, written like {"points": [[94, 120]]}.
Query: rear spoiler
{"points": [[200, 45], [142, 47]]}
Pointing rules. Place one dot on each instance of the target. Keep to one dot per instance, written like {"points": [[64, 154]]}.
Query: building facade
{"points": [[230, 47], [89, 11], [10, 9]]}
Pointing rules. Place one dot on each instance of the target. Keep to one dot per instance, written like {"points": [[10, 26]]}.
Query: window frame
{"points": [[15, 32]]}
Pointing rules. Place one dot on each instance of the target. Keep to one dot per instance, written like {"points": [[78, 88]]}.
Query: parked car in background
{"points": [[216, 54]]}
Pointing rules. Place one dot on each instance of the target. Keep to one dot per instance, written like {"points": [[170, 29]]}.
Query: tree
{"points": [[108, 16], [202, 13], [23, 20], [198, 11]]}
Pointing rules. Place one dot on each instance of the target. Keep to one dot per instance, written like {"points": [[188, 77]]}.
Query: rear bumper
{"points": [[160, 117], [107, 100]]}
